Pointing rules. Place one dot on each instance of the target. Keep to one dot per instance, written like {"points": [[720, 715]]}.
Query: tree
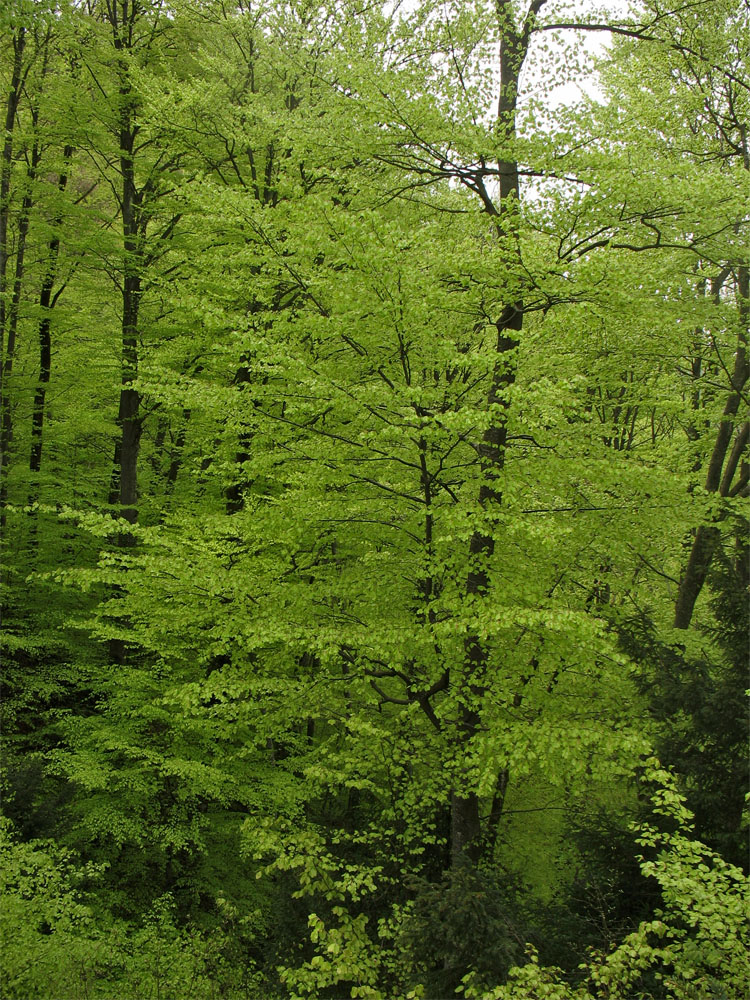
{"points": [[699, 90], [402, 376], [339, 382], [24, 57]]}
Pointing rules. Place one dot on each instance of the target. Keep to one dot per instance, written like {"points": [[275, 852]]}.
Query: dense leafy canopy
{"points": [[374, 496]]}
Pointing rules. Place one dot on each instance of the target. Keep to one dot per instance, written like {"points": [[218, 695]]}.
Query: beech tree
{"points": [[30, 49], [397, 375], [422, 388]]}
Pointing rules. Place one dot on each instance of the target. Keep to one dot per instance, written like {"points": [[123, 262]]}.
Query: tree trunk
{"points": [[175, 456], [466, 832], [6, 166], [124, 488], [11, 325], [46, 304], [706, 536]]}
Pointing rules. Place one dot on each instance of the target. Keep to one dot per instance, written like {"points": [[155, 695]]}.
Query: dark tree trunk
{"points": [[175, 456], [718, 478], [11, 325], [124, 483], [46, 303], [466, 830], [6, 167], [234, 494]]}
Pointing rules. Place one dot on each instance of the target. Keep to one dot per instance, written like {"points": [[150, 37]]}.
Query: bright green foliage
{"points": [[422, 409]]}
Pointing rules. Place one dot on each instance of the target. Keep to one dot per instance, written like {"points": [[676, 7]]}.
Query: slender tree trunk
{"points": [[124, 490], [128, 417], [6, 168], [11, 324], [45, 341], [718, 478], [234, 493], [9, 312], [175, 457], [124, 484], [466, 830]]}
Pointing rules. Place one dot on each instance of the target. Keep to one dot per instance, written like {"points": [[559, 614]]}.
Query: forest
{"points": [[374, 478]]}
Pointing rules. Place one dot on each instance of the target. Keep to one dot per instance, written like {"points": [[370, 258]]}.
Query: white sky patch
{"points": [[560, 65]]}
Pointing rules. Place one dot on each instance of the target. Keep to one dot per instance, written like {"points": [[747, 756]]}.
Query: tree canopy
{"points": [[374, 493]]}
